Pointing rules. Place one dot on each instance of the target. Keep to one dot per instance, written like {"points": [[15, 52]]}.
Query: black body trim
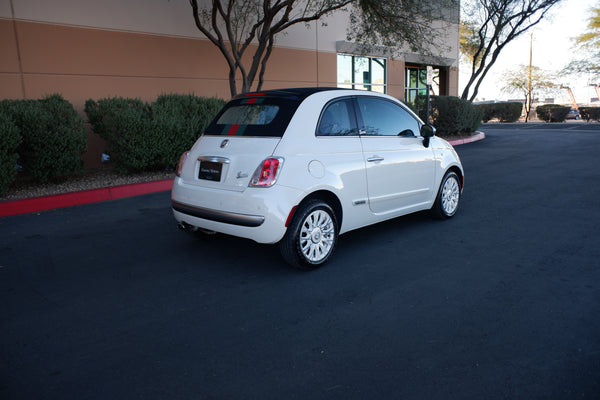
{"points": [[219, 216]]}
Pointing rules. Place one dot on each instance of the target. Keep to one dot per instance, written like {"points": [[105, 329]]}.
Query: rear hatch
{"points": [[229, 167], [241, 136]]}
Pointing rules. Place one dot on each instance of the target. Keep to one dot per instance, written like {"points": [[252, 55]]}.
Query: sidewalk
{"points": [[44, 203]]}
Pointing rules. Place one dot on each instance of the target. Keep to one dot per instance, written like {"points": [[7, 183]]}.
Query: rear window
{"points": [[254, 116], [249, 115]]}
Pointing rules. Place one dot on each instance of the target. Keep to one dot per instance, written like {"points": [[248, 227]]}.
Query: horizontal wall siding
{"points": [[86, 63], [9, 62], [10, 86], [48, 50], [161, 17]]}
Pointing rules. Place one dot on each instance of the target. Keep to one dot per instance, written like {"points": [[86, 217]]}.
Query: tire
{"points": [[448, 197], [311, 237]]}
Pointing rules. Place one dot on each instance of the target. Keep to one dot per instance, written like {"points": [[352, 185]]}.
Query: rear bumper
{"points": [[258, 214]]}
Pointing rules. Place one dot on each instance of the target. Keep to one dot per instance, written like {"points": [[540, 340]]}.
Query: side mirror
{"points": [[427, 132]]}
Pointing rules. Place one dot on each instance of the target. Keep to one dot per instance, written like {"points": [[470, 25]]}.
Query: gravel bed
{"points": [[24, 188]]}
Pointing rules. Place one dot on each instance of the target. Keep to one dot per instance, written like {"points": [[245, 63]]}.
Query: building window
{"points": [[366, 73], [416, 83]]}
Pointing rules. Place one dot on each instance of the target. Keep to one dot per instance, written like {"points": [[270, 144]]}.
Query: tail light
{"points": [[267, 172], [181, 161]]}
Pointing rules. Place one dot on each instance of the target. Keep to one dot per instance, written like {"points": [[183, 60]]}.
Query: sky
{"points": [[552, 50]]}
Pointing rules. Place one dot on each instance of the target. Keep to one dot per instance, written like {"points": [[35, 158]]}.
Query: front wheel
{"points": [[448, 197], [311, 236]]}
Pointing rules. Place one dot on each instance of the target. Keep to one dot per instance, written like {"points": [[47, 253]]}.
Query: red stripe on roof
{"points": [[233, 130]]}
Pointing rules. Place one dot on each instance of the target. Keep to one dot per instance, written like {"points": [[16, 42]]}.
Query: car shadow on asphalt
{"points": [[236, 255]]}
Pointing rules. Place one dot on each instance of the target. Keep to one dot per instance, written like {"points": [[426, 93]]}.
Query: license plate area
{"points": [[210, 170]]}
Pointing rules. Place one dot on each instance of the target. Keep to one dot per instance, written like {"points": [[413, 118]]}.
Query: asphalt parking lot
{"points": [[111, 301]]}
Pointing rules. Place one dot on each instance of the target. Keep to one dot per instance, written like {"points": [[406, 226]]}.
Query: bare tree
{"points": [[497, 22], [233, 26], [469, 42], [591, 39], [402, 25], [530, 81], [240, 26]]}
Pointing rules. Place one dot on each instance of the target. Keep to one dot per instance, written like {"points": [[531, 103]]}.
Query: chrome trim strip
{"points": [[219, 216], [221, 160]]}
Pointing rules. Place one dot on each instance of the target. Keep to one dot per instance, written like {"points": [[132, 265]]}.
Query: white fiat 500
{"points": [[299, 167]]}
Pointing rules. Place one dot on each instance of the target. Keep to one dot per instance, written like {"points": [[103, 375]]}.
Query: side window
{"points": [[337, 119], [385, 118]]}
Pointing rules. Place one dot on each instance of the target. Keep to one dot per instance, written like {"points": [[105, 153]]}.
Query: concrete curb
{"points": [[82, 197], [36, 204], [475, 138]]}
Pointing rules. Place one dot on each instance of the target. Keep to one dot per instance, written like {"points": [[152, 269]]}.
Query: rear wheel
{"points": [[448, 197], [311, 236]]}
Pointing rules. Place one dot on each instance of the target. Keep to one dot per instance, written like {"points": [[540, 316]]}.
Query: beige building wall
{"points": [[89, 49]]}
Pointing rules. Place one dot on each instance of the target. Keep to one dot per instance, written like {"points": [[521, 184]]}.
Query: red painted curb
{"points": [[83, 197], [474, 138]]}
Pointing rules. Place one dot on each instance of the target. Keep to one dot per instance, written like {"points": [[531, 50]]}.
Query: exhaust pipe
{"points": [[184, 226]]}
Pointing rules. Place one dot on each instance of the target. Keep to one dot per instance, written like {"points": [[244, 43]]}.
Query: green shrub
{"points": [[10, 139], [453, 116], [101, 114], [504, 112], [590, 113], [487, 110], [552, 112], [178, 121], [53, 136], [148, 137], [126, 125]]}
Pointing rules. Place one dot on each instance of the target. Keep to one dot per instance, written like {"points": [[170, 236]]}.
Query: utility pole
{"points": [[529, 99]]}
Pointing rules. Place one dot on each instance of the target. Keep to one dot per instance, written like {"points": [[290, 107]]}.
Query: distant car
{"points": [[573, 114], [299, 167]]}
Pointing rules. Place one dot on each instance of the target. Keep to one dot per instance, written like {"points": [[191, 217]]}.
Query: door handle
{"points": [[375, 159]]}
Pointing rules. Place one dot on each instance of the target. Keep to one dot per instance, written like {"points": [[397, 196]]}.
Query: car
{"points": [[301, 166], [573, 114]]}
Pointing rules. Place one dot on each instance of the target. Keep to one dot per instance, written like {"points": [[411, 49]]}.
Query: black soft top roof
{"points": [[291, 93], [285, 100]]}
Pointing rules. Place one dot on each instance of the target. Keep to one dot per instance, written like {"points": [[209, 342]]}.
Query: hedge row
{"points": [[552, 112], [142, 136], [504, 112], [451, 116], [10, 139], [46, 137], [589, 113]]}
